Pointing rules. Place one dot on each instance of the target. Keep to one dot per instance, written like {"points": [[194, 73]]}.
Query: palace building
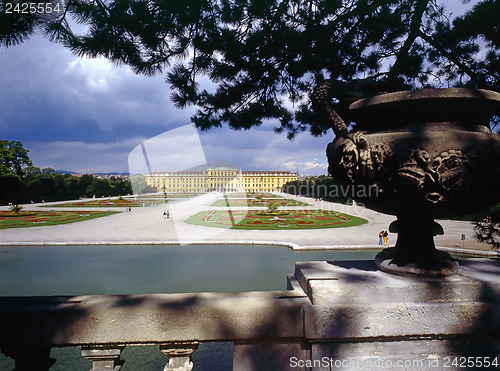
{"points": [[219, 179]]}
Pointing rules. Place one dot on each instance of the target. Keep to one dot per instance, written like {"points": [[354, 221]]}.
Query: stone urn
{"points": [[420, 155]]}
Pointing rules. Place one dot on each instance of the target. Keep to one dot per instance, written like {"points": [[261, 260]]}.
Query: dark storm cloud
{"points": [[262, 149], [46, 88], [87, 115], [82, 130]]}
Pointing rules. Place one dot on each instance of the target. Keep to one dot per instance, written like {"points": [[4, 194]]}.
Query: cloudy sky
{"points": [[87, 115]]}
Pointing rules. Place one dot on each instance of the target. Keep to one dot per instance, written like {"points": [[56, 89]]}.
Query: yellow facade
{"points": [[219, 179], [178, 182], [266, 181]]}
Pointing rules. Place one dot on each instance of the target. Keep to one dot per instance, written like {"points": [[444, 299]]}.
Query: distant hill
{"points": [[111, 174], [64, 172]]}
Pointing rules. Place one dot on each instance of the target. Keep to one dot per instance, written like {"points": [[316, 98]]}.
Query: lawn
{"points": [[257, 220], [43, 218], [251, 202], [105, 202], [251, 195]]}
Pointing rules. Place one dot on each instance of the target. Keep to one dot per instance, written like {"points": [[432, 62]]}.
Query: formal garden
{"points": [[136, 201], [262, 220], [107, 202], [268, 213], [19, 218], [126, 202], [257, 201]]}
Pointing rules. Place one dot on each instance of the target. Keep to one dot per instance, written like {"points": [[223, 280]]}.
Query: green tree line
{"points": [[49, 185], [322, 186], [21, 182]]}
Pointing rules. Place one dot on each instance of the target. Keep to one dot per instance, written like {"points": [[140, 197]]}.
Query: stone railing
{"points": [[104, 325], [334, 315]]}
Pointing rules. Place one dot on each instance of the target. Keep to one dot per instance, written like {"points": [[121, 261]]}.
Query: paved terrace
{"points": [[146, 225], [341, 318]]}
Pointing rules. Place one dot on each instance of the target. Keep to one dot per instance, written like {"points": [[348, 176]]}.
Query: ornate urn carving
{"points": [[430, 153]]}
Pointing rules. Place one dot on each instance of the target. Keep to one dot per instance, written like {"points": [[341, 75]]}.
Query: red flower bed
{"points": [[36, 220]]}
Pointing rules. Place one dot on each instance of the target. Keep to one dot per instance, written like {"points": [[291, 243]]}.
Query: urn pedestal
{"points": [[430, 154], [363, 319]]}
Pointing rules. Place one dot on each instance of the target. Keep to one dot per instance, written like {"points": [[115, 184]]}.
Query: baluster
{"points": [[179, 356], [30, 359], [104, 358]]}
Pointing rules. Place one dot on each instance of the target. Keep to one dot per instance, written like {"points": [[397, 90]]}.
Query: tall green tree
{"points": [[50, 185], [264, 57], [14, 158]]}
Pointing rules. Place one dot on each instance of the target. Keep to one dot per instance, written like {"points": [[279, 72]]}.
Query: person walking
{"points": [[164, 215], [168, 214], [381, 238], [386, 238]]}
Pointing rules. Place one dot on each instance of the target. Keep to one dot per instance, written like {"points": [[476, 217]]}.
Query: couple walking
{"points": [[383, 238]]}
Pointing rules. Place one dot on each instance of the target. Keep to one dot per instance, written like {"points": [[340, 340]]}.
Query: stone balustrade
{"points": [[334, 315], [103, 325]]}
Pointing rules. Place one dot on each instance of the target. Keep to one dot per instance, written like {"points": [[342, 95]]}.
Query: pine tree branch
{"points": [[473, 75], [413, 34]]}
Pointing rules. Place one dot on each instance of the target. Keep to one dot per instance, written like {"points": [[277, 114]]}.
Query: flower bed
{"points": [[294, 219], [103, 203], [251, 202], [45, 218], [10, 214]]}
